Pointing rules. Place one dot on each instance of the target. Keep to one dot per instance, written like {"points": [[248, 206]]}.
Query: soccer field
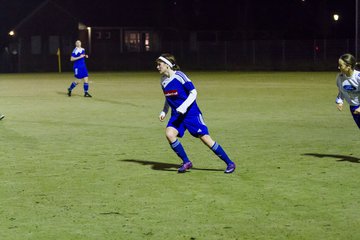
{"points": [[101, 168]]}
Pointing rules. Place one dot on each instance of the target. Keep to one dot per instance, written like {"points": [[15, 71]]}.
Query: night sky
{"points": [[265, 19]]}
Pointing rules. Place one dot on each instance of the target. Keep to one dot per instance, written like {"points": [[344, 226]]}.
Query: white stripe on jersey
{"points": [[201, 120], [180, 76]]}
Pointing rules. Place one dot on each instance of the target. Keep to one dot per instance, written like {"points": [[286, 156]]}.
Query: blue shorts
{"points": [[81, 73], [194, 124], [356, 117]]}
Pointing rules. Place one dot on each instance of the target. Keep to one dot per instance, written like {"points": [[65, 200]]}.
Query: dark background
{"points": [[229, 34], [283, 19]]}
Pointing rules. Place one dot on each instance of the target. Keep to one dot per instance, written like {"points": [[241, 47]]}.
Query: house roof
{"points": [[39, 8], [16, 14]]}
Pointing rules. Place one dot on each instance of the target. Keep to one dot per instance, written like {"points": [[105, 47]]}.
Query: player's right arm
{"points": [[339, 105], [340, 98], [77, 58], [164, 111]]}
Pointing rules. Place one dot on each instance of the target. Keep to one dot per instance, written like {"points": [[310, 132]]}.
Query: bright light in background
{"points": [[12, 33], [336, 17], [89, 38]]}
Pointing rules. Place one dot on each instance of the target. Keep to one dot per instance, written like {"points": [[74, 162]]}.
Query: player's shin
{"points": [[86, 87], [179, 150], [72, 86], [219, 151]]}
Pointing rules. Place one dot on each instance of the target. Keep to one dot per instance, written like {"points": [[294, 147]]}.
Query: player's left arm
{"points": [[357, 111], [187, 103]]}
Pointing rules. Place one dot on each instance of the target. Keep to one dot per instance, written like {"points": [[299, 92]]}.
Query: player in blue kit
{"points": [[180, 95], [348, 83], [78, 57]]}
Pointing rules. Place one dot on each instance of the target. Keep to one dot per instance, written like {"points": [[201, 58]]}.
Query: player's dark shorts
{"points": [[81, 72], [194, 124], [355, 116]]}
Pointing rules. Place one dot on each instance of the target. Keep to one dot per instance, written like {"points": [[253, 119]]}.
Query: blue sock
{"points": [[217, 149], [178, 148], [72, 86], [86, 87]]}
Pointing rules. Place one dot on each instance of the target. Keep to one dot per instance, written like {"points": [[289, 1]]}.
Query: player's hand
{"points": [[87, 56], [339, 107], [357, 111], [162, 116]]}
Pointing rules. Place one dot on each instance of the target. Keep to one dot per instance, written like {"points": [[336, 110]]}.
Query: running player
{"points": [[348, 83], [78, 57], [180, 95]]}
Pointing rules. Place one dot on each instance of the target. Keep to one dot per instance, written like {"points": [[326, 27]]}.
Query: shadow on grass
{"points": [[81, 94], [159, 166], [341, 158], [62, 93], [72, 95], [116, 102]]}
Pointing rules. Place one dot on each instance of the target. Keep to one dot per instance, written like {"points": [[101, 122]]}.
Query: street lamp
{"points": [[89, 38]]}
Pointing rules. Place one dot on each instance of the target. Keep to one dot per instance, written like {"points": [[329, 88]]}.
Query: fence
{"points": [[267, 55], [285, 55]]}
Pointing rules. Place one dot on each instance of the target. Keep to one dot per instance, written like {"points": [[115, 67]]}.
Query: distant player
{"points": [[348, 83], [78, 57], [180, 95], [2, 116]]}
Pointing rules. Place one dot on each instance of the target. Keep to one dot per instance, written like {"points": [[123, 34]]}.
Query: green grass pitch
{"points": [[101, 168]]}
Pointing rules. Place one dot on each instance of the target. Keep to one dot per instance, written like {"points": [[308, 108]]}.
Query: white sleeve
{"points": [[190, 99]]}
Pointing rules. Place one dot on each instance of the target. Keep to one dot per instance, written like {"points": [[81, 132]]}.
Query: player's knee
{"points": [[170, 135]]}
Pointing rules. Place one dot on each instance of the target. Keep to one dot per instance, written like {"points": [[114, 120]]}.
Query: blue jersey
{"points": [[176, 89], [79, 65]]}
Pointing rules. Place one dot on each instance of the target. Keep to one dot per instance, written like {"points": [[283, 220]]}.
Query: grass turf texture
{"points": [[101, 168]]}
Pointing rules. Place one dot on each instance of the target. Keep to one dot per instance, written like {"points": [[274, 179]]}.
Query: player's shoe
{"points": [[87, 94], [230, 168], [69, 92], [2, 116], [185, 167]]}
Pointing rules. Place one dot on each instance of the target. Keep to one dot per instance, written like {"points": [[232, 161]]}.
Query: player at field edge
{"points": [[180, 95], [80, 71], [348, 83]]}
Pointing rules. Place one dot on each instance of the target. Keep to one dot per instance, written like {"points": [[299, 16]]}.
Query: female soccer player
{"points": [[180, 95], [348, 83], [78, 57]]}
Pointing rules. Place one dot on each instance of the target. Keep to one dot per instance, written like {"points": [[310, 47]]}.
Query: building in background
{"points": [[249, 35], [35, 40]]}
